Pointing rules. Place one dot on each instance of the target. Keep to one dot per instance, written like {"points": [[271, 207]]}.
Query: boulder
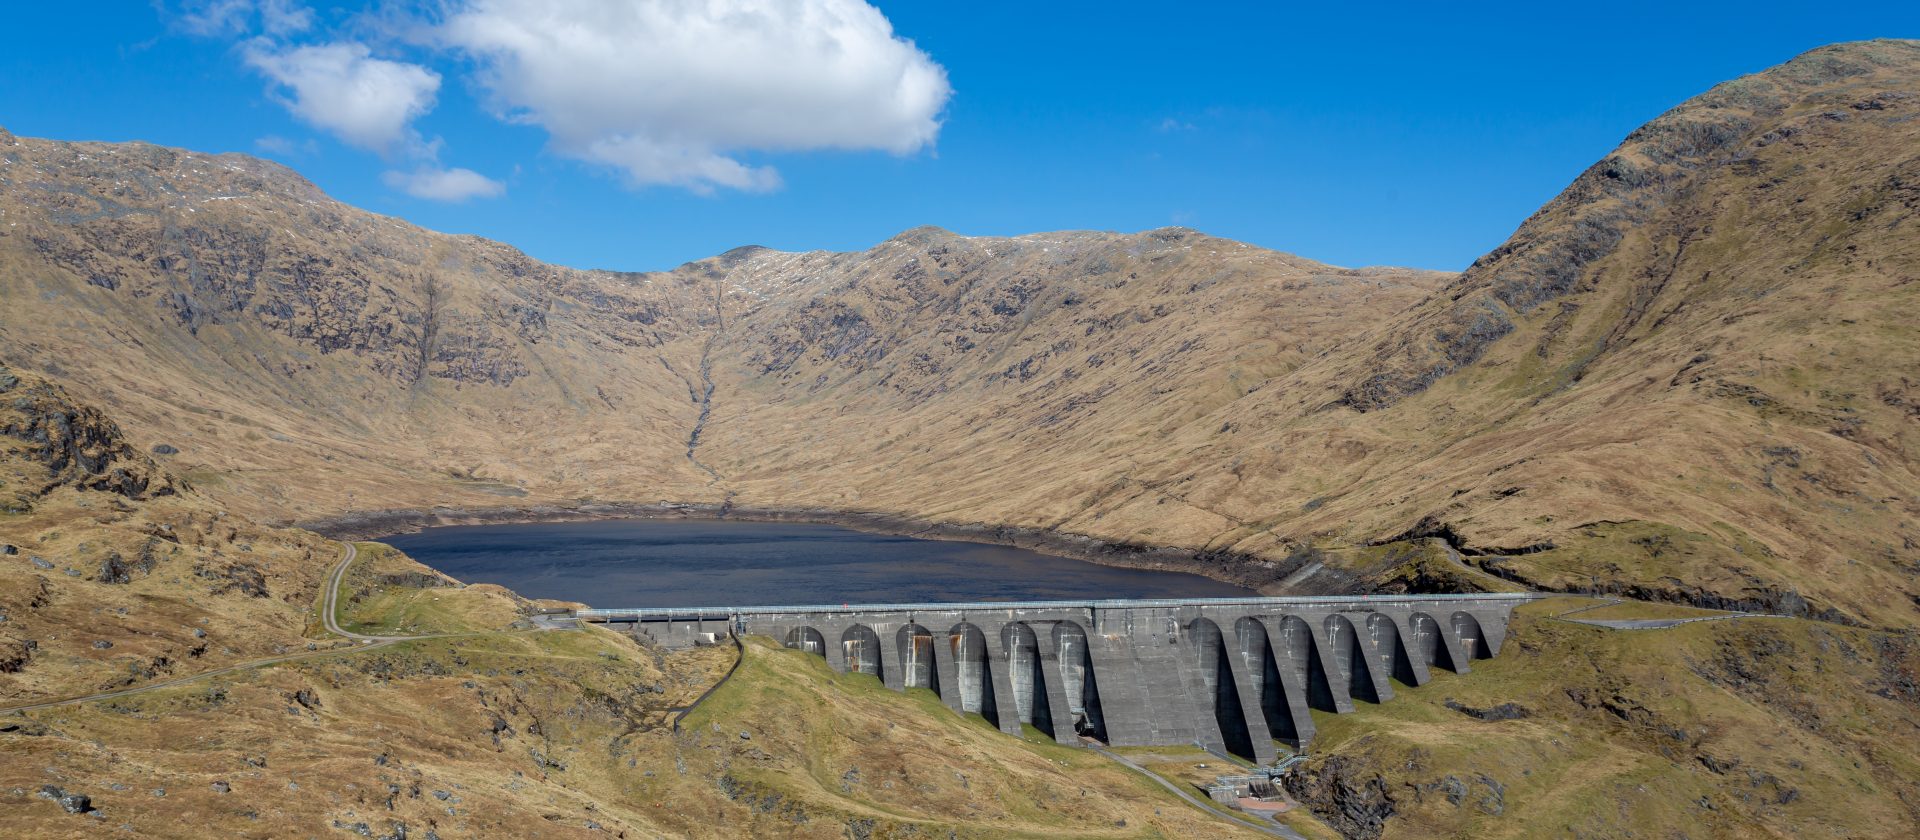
{"points": [[70, 801]]}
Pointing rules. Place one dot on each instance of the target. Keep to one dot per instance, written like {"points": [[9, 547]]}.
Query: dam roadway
{"points": [[1228, 674]]}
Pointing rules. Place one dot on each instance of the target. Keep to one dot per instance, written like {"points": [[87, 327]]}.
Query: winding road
{"points": [[329, 603], [329, 616]]}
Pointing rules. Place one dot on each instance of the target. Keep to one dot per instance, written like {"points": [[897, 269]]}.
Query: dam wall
{"points": [[1232, 675]]}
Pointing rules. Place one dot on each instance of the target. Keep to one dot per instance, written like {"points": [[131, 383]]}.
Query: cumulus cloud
{"points": [[230, 17], [444, 184], [342, 89], [675, 92]]}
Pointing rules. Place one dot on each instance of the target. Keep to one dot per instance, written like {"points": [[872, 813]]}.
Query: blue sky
{"points": [[1415, 135]]}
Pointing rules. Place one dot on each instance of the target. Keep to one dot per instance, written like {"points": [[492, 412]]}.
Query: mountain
{"points": [[229, 311], [1689, 378]]}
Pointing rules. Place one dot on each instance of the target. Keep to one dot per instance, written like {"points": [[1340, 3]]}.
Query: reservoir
{"points": [[732, 563]]}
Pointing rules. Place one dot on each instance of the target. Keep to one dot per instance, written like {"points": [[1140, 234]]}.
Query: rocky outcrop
{"points": [[1345, 794], [1708, 332], [16, 653], [72, 802], [77, 445]]}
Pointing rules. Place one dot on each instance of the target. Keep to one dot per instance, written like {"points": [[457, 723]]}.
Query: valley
{"points": [[1686, 383]]}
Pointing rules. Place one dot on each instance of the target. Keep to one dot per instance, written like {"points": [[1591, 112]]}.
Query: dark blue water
{"points": [[704, 563]]}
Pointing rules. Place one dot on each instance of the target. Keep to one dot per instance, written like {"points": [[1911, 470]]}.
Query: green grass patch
{"points": [[385, 592]]}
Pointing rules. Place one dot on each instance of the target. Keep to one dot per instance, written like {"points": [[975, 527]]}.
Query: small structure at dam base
{"points": [[1232, 675]]}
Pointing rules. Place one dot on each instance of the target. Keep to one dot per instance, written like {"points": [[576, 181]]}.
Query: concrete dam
{"points": [[1228, 674]]}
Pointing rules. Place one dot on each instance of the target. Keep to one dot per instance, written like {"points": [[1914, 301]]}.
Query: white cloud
{"points": [[648, 161], [229, 17], [673, 92], [341, 88], [274, 144], [213, 17], [444, 184], [285, 17]]}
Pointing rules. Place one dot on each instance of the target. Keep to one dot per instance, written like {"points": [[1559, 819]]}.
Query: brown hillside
{"points": [[225, 308], [1691, 371], [1688, 376]]}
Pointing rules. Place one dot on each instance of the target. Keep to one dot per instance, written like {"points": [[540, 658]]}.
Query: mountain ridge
{"points": [[1717, 407], [1164, 388]]}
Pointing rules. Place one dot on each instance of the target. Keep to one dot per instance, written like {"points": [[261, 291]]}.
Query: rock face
{"points": [[1689, 376], [1346, 795], [262, 327], [77, 445], [15, 653]]}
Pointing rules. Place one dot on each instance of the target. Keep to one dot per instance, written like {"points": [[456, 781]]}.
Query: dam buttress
{"points": [[1228, 674]]}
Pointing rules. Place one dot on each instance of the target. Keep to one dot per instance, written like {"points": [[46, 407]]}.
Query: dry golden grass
{"points": [[1688, 377], [582, 740], [1732, 728], [196, 609], [1701, 386]]}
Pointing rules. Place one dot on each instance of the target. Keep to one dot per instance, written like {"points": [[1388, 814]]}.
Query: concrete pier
{"points": [[1228, 674]]}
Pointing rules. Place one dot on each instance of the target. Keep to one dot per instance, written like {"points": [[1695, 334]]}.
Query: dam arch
{"points": [[1473, 640], [968, 647], [1217, 686], [1427, 642], [913, 653], [807, 639], [1263, 673], [862, 647], [1390, 650], [1025, 675], [1082, 691], [1307, 668], [1350, 658]]}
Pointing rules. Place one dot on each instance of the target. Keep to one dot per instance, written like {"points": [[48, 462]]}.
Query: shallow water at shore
{"points": [[696, 562]]}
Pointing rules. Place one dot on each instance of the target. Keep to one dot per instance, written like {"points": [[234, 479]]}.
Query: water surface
{"points": [[702, 563]]}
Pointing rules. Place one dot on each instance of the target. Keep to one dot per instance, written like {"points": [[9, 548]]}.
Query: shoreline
{"points": [[1259, 574]]}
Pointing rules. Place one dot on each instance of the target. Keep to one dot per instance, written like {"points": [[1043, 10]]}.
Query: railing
{"points": [[671, 613]]}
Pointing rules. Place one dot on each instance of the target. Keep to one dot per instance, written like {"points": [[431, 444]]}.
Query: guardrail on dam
{"points": [[1229, 674]]}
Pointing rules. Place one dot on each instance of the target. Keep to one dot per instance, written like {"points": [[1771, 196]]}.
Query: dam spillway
{"points": [[1228, 674]]}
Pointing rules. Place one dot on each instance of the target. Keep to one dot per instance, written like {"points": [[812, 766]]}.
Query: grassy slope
{"points": [[582, 738], [527, 733], [1746, 728], [1690, 372], [1782, 458], [195, 589], [385, 591]]}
